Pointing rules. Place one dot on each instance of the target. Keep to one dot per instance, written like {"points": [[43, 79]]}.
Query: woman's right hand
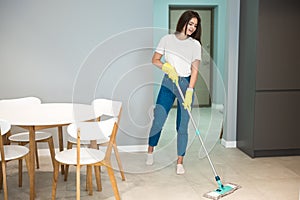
{"points": [[170, 70]]}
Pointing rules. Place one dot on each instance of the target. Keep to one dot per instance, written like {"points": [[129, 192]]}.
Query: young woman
{"points": [[182, 55]]}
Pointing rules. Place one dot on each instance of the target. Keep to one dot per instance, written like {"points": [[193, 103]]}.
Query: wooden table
{"points": [[42, 116]]}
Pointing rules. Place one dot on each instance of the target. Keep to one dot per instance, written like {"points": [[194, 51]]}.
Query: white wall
{"points": [[59, 50], [231, 72]]}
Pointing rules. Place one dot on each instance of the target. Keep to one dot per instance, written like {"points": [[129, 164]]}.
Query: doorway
{"points": [[203, 86]]}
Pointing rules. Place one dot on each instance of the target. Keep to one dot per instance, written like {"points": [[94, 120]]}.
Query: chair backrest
{"points": [[107, 107], [91, 130], [97, 130], [4, 128], [23, 100]]}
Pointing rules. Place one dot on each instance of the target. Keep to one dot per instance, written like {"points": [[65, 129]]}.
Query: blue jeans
{"points": [[166, 97]]}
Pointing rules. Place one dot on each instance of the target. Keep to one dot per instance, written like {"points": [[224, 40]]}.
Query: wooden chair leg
{"points": [[113, 182], [77, 182], [69, 146], [89, 184], [20, 172], [119, 161], [61, 145], [1, 178], [27, 164], [98, 177], [54, 181], [87, 181], [51, 149], [66, 173], [28, 167], [37, 156], [4, 180]]}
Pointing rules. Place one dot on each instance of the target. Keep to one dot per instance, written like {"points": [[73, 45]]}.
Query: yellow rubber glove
{"points": [[188, 99], [170, 70]]}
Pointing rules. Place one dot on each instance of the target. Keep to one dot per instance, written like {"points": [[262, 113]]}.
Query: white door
{"points": [[202, 88]]}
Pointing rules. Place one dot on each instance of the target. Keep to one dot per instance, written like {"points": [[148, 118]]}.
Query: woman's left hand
{"points": [[188, 99]]}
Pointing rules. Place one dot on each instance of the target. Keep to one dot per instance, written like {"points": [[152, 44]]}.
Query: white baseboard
{"points": [[228, 144], [133, 148], [217, 106], [127, 148]]}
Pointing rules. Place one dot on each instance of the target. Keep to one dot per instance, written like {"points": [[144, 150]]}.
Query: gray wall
{"points": [[64, 51], [44, 46], [231, 70]]}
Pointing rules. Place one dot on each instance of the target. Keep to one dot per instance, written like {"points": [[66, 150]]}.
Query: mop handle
{"points": [[197, 132]]}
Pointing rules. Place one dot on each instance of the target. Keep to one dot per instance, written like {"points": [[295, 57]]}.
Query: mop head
{"points": [[221, 192]]}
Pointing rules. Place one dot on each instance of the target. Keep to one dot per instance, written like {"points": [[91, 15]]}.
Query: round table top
{"points": [[47, 113]]}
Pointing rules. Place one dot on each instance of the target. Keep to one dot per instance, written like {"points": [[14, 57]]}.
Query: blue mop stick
{"points": [[201, 141]]}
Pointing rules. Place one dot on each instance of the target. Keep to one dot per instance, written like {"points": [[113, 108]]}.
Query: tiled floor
{"points": [[275, 178]]}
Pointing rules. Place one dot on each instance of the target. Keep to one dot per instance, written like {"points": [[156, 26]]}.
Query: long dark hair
{"points": [[184, 20]]}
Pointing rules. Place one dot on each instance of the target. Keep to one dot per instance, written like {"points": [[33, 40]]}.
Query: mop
{"points": [[223, 189]]}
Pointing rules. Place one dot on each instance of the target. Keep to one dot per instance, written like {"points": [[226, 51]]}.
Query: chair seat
{"points": [[87, 156], [14, 152], [24, 136]]}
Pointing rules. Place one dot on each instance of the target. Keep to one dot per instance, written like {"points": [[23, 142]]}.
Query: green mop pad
{"points": [[222, 191]]}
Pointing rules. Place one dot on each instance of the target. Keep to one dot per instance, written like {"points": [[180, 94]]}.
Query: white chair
{"points": [[90, 156], [108, 108], [9, 153], [23, 138]]}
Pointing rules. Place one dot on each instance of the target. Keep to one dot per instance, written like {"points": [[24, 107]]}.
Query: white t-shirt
{"points": [[179, 53]]}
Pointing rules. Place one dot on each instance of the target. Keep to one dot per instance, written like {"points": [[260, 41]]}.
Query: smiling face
{"points": [[191, 26]]}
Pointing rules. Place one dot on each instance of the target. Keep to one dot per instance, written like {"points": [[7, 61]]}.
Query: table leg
{"points": [[32, 161], [61, 145]]}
